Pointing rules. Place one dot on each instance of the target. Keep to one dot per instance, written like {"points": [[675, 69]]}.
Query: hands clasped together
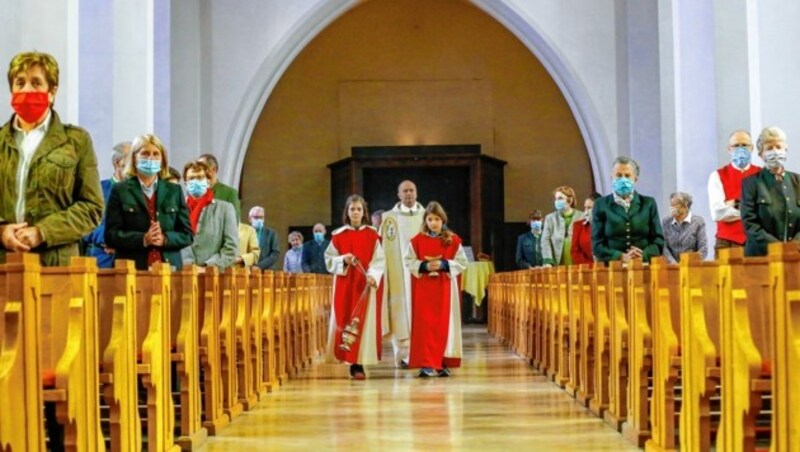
{"points": [[19, 237], [154, 236]]}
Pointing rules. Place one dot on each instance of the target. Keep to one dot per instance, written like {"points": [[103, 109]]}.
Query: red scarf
{"points": [[196, 207]]}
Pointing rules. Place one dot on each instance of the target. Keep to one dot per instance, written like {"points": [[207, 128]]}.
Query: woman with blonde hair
{"points": [[147, 220], [557, 230], [435, 258]]}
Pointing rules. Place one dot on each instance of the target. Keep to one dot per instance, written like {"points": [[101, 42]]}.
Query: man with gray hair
{"points": [[94, 244], [267, 239], [725, 191]]}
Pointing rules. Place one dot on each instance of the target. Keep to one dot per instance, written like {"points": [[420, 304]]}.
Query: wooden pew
{"points": [[586, 360], [574, 301], [290, 325], [69, 347], [527, 316], [560, 371], [548, 333], [618, 342], [245, 391], [268, 333], [699, 328], [153, 328], [255, 337], [519, 311], [20, 370], [640, 353], [491, 290], [227, 342], [747, 320], [602, 339], [540, 285], [665, 289], [210, 360], [185, 321], [279, 327], [116, 294], [785, 274]]}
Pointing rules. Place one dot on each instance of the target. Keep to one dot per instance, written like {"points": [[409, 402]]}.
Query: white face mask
{"points": [[775, 158]]}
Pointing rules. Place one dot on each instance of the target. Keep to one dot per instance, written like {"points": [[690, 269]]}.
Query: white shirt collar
{"points": [[403, 209], [688, 219]]}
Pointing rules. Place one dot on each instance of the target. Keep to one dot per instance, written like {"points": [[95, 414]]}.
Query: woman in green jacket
{"points": [[147, 220], [626, 225], [50, 192]]}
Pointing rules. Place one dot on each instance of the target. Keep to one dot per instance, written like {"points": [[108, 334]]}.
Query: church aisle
{"points": [[495, 402]]}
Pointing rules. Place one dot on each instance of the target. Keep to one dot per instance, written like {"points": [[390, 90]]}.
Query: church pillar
{"points": [[133, 68], [46, 26]]}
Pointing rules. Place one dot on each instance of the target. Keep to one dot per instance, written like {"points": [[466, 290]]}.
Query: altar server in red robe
{"points": [[435, 259], [355, 258]]}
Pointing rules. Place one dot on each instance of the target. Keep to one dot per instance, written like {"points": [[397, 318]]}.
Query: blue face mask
{"points": [[536, 225], [197, 188], [740, 157], [258, 223], [623, 186], [560, 204], [319, 237], [147, 167]]}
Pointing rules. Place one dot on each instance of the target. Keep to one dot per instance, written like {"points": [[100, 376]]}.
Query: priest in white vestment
{"points": [[398, 226]]}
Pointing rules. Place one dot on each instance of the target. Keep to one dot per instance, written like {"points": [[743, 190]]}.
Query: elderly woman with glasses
{"points": [[683, 230]]}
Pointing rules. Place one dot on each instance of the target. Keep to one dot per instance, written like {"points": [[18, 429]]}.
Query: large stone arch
{"points": [[276, 63]]}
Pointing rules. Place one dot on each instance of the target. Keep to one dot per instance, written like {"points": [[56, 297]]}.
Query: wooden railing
{"points": [[685, 356], [93, 359]]}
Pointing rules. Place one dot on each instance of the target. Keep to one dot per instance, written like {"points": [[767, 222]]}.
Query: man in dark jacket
{"points": [[313, 260], [529, 247], [267, 240]]}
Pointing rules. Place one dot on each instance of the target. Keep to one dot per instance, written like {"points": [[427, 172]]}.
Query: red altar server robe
{"points": [[351, 297], [435, 303]]}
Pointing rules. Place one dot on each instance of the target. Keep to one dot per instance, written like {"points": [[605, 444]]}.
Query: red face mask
{"points": [[30, 106]]}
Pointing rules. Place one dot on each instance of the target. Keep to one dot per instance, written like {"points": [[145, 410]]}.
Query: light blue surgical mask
{"points": [[319, 237], [536, 225], [623, 186], [147, 167], [197, 188], [258, 223], [740, 157], [560, 204]]}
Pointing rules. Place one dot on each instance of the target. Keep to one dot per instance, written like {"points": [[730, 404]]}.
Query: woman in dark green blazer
{"points": [[626, 225], [147, 220], [771, 197]]}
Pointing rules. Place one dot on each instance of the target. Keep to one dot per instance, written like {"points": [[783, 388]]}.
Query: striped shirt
{"points": [[687, 236]]}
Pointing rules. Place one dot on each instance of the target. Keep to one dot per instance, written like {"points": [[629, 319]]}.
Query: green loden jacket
{"points": [[63, 197], [230, 194], [127, 221], [614, 231]]}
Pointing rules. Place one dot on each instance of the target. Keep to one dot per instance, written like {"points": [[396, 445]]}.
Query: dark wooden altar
{"points": [[468, 184]]}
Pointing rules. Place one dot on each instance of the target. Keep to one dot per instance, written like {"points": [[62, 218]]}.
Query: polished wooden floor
{"points": [[494, 402]]}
